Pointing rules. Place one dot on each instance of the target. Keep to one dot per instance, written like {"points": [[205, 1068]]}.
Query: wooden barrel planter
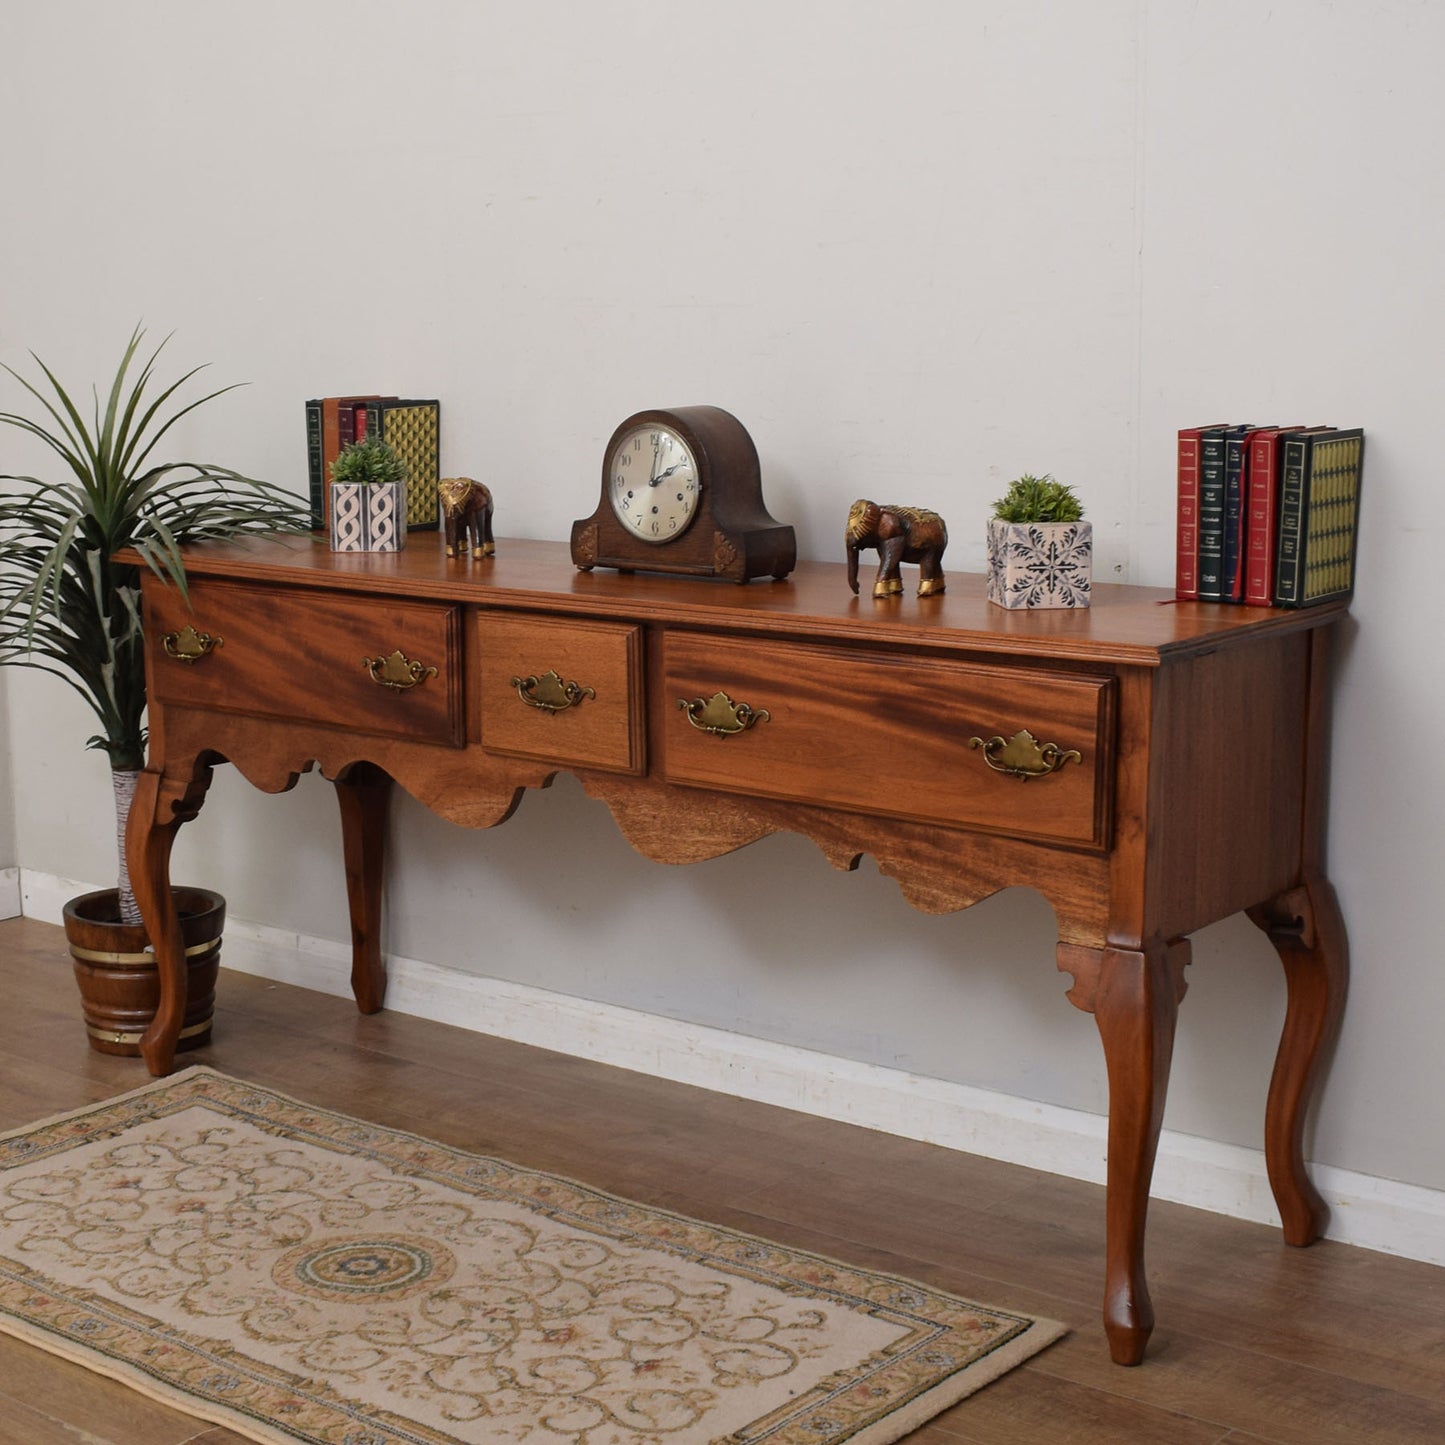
{"points": [[116, 970]]}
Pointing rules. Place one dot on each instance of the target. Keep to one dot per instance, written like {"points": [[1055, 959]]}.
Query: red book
{"points": [[1186, 565], [1264, 455]]}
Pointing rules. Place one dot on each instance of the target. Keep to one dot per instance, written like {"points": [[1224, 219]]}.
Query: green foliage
{"points": [[66, 607], [370, 460], [1038, 499]]}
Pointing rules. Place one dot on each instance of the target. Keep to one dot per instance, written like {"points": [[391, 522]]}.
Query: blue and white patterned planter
{"points": [[368, 516], [1040, 564]]}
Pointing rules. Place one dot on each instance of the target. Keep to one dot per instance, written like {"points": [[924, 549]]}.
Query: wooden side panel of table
{"points": [[1187, 748]]}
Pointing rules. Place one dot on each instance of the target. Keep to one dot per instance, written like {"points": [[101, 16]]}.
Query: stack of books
{"points": [[1268, 515], [412, 428]]}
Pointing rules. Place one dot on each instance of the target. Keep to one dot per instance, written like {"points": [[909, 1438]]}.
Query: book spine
{"points": [[1186, 564], [1231, 575], [1262, 511], [330, 450], [1291, 521], [1211, 516], [346, 420], [315, 488]]}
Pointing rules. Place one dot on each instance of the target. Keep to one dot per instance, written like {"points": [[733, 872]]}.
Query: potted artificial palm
{"points": [[1040, 550], [68, 608], [368, 498]]}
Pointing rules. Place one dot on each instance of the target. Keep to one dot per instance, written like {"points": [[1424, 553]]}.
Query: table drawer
{"points": [[366, 664], [914, 738], [562, 691]]}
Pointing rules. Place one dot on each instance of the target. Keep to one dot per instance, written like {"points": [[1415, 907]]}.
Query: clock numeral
{"points": [[624, 460], [637, 444]]}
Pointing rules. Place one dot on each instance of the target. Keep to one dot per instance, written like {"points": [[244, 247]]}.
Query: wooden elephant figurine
{"points": [[901, 534], [467, 510]]}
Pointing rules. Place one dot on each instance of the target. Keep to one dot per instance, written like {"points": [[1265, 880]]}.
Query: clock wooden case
{"points": [[682, 492]]}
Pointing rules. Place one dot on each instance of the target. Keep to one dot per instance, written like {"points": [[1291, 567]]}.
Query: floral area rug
{"points": [[297, 1275]]}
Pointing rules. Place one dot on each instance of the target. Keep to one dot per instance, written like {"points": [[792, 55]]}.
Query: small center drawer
{"points": [[365, 664], [874, 733], [562, 691]]}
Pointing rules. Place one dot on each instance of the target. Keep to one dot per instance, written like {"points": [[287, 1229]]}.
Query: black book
{"points": [[1213, 465], [1319, 515]]}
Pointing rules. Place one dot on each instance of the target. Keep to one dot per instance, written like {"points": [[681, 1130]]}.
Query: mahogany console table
{"points": [[1147, 766]]}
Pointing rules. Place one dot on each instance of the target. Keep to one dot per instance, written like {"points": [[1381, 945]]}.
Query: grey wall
{"points": [[919, 249]]}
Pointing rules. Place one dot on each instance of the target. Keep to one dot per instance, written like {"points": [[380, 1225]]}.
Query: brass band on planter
{"points": [[188, 645], [134, 1036], [721, 716], [1023, 757], [94, 955], [398, 671], [549, 693]]}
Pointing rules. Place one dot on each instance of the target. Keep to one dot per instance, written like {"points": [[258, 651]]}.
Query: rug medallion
{"points": [[301, 1276]]}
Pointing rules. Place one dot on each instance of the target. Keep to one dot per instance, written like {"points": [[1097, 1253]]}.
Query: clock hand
{"points": [[654, 478], [665, 475]]}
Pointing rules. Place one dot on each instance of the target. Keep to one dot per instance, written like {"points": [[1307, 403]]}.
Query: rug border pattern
{"points": [[883, 1398]]}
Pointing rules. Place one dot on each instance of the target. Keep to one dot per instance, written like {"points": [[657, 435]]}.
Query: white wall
{"points": [[918, 248], [8, 854]]}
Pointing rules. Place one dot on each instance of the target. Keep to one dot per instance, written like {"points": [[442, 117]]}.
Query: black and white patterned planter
{"points": [[1040, 564], [368, 516]]}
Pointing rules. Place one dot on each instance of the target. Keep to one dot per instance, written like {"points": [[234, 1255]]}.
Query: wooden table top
{"points": [[1143, 626]]}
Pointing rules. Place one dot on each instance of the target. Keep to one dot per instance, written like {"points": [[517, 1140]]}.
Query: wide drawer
{"points": [[916, 738], [366, 664], [562, 691]]}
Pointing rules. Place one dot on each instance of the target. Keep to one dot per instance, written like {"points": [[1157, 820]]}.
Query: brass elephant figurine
{"points": [[467, 509], [901, 534]]}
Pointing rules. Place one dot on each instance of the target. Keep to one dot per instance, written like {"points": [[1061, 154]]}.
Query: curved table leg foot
{"points": [[363, 794], [1308, 933], [148, 858], [1134, 997]]}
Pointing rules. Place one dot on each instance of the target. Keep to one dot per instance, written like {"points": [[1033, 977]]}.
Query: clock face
{"points": [[652, 483]]}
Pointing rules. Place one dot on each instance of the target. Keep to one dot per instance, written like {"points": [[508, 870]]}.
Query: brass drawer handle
{"points": [[549, 693], [1023, 757], [397, 672], [721, 716], [188, 645]]}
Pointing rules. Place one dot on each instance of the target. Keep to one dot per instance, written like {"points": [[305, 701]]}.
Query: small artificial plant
{"points": [[67, 606], [1038, 499], [368, 461]]}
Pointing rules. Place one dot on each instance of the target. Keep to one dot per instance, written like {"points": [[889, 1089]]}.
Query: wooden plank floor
{"points": [[1256, 1341]]}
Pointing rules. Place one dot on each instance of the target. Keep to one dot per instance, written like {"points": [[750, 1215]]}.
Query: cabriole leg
{"points": [[156, 813], [1308, 933], [1134, 997], [363, 794]]}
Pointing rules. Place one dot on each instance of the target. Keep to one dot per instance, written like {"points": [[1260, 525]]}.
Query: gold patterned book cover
{"points": [[412, 429], [1319, 516]]}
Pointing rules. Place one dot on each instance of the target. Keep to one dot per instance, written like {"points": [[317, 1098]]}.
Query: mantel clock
{"points": [[682, 492]]}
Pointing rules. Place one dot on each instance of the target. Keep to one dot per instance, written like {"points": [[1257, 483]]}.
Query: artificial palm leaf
{"points": [[66, 606]]}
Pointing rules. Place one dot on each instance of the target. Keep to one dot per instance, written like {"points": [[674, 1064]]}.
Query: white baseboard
{"points": [[1381, 1214], [9, 893]]}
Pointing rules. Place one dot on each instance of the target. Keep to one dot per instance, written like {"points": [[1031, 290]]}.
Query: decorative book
{"points": [[1214, 448], [1319, 515], [330, 425], [413, 430], [1186, 568]]}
